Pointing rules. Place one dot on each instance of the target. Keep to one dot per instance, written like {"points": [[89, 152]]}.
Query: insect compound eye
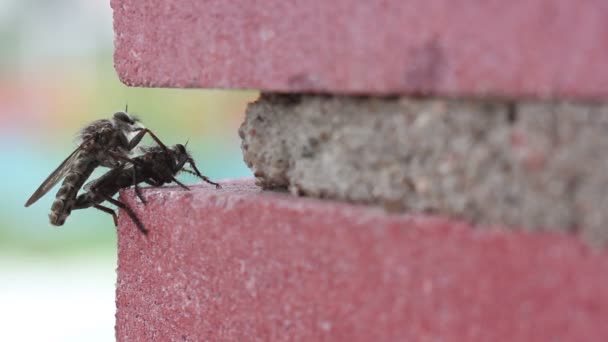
{"points": [[124, 117], [180, 148]]}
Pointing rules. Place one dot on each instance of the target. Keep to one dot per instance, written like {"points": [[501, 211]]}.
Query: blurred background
{"points": [[56, 75]]}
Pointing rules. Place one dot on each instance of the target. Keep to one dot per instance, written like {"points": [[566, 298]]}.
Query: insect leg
{"points": [[109, 211], [136, 186], [153, 182], [137, 138], [180, 184], [127, 209], [203, 177]]}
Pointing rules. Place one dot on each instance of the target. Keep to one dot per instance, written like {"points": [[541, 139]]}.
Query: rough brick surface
{"points": [[240, 265], [505, 48]]}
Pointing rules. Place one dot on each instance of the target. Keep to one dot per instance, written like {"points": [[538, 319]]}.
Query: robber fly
{"points": [[103, 143], [157, 166]]}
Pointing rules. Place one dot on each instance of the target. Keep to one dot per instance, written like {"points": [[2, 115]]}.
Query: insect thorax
{"points": [[100, 137]]}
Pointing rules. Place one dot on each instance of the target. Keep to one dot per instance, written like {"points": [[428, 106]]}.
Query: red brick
{"points": [[536, 48], [237, 264]]}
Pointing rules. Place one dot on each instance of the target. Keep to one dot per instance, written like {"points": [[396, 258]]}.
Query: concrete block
{"points": [[527, 165]]}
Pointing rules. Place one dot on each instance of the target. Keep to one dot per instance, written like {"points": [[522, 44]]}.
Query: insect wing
{"points": [[54, 177], [91, 184]]}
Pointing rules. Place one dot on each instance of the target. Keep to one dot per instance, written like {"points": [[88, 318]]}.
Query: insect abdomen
{"points": [[66, 196]]}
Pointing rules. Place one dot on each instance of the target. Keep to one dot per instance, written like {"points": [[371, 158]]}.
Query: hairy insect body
{"points": [[66, 196], [156, 167], [103, 143], [109, 143], [110, 183], [100, 139]]}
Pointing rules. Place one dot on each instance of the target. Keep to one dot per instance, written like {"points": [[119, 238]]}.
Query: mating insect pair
{"points": [[106, 143]]}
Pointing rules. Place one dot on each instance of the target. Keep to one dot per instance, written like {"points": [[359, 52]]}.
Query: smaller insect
{"points": [[157, 166]]}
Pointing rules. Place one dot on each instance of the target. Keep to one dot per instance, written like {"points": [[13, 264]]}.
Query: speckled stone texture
{"points": [[539, 48], [239, 264], [530, 165]]}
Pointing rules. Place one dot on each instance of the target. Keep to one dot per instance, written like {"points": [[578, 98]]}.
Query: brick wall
{"points": [[244, 263]]}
